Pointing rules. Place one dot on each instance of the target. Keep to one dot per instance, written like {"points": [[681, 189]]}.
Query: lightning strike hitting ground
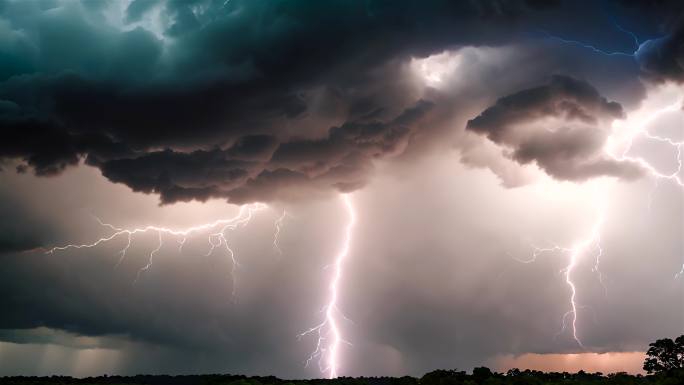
{"points": [[329, 336], [215, 238]]}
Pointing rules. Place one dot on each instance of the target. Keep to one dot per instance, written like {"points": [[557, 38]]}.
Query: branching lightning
{"points": [[216, 238], [329, 336], [630, 132], [590, 244], [598, 50], [619, 146], [587, 46], [328, 331]]}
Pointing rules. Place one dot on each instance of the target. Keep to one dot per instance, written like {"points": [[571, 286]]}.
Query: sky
{"points": [[339, 188]]}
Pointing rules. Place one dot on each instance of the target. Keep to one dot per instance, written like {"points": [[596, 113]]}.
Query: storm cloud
{"points": [[212, 78], [164, 99], [562, 127], [158, 112]]}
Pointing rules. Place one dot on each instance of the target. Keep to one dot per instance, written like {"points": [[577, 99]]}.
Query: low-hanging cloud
{"points": [[260, 168], [562, 127]]}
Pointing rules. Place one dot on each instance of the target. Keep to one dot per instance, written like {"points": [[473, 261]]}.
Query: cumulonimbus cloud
{"points": [[256, 101]]}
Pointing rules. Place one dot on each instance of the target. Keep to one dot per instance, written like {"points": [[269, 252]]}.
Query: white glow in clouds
{"points": [[434, 69], [621, 145]]}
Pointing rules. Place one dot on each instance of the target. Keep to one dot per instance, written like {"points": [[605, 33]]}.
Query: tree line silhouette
{"points": [[664, 364]]}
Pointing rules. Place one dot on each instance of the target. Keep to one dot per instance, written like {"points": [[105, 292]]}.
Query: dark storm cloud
{"points": [[340, 161], [186, 92], [661, 51], [21, 229], [561, 126], [662, 59]]}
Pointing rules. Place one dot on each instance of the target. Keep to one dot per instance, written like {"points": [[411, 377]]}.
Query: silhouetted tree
{"points": [[443, 377], [664, 355], [481, 374]]}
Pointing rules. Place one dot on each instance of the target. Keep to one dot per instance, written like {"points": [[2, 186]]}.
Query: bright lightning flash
{"points": [[328, 331], [575, 252], [216, 237], [619, 146]]}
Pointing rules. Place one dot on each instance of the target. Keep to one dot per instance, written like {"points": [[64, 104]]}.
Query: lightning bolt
{"points": [[276, 236], [619, 145], [587, 46], [328, 331], [574, 253], [216, 238], [598, 50], [638, 129], [329, 336]]}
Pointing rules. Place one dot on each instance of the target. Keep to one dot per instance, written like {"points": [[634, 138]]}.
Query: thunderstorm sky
{"points": [[514, 170]]}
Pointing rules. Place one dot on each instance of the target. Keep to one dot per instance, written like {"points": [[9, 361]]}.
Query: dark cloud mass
{"points": [[562, 127], [167, 106], [339, 161], [662, 59], [216, 75]]}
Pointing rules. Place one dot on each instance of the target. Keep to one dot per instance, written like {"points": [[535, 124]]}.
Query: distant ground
{"points": [[480, 376]]}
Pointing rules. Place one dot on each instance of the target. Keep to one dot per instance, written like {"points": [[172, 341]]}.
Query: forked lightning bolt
{"points": [[216, 237], [329, 336], [590, 244], [619, 146], [633, 130], [328, 332]]}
